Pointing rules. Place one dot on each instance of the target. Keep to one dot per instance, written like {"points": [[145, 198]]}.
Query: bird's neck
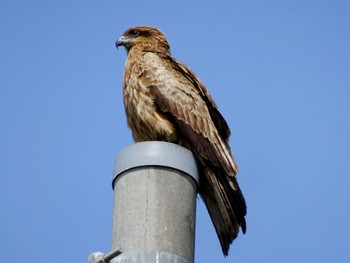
{"points": [[158, 48]]}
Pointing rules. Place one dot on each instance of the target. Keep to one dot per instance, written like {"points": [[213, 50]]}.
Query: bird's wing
{"points": [[180, 94], [215, 114]]}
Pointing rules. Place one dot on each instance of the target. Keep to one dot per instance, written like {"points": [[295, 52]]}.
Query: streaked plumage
{"points": [[165, 101]]}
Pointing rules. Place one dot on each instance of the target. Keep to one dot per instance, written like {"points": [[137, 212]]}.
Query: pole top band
{"points": [[156, 153]]}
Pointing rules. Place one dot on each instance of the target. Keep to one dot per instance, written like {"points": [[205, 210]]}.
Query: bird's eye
{"points": [[134, 32]]}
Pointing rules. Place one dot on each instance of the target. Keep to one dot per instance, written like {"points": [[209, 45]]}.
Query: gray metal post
{"points": [[155, 187]]}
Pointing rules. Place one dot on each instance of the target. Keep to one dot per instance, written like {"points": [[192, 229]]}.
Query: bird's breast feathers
{"points": [[144, 118]]}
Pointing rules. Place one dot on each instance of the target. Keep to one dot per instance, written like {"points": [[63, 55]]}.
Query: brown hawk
{"points": [[165, 101]]}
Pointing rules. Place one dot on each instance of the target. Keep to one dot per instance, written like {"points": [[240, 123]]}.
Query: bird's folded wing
{"points": [[175, 90]]}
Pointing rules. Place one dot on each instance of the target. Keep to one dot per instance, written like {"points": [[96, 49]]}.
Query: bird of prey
{"points": [[165, 101]]}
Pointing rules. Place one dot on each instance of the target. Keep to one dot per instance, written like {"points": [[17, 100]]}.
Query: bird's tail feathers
{"points": [[226, 206]]}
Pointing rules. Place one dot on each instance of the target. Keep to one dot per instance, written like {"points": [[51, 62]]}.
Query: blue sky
{"points": [[278, 70]]}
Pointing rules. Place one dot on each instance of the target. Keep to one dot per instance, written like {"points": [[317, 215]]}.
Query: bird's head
{"points": [[150, 38]]}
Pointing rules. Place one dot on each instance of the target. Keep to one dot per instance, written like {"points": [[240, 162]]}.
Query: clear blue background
{"points": [[279, 71]]}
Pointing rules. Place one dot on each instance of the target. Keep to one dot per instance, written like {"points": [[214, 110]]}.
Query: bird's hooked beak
{"points": [[121, 41]]}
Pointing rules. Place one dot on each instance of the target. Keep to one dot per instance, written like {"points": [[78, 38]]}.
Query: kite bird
{"points": [[165, 101]]}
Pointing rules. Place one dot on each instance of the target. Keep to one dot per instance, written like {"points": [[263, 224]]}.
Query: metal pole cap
{"points": [[156, 153]]}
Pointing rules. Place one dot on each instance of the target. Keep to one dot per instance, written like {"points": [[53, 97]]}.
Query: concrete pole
{"points": [[155, 187]]}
